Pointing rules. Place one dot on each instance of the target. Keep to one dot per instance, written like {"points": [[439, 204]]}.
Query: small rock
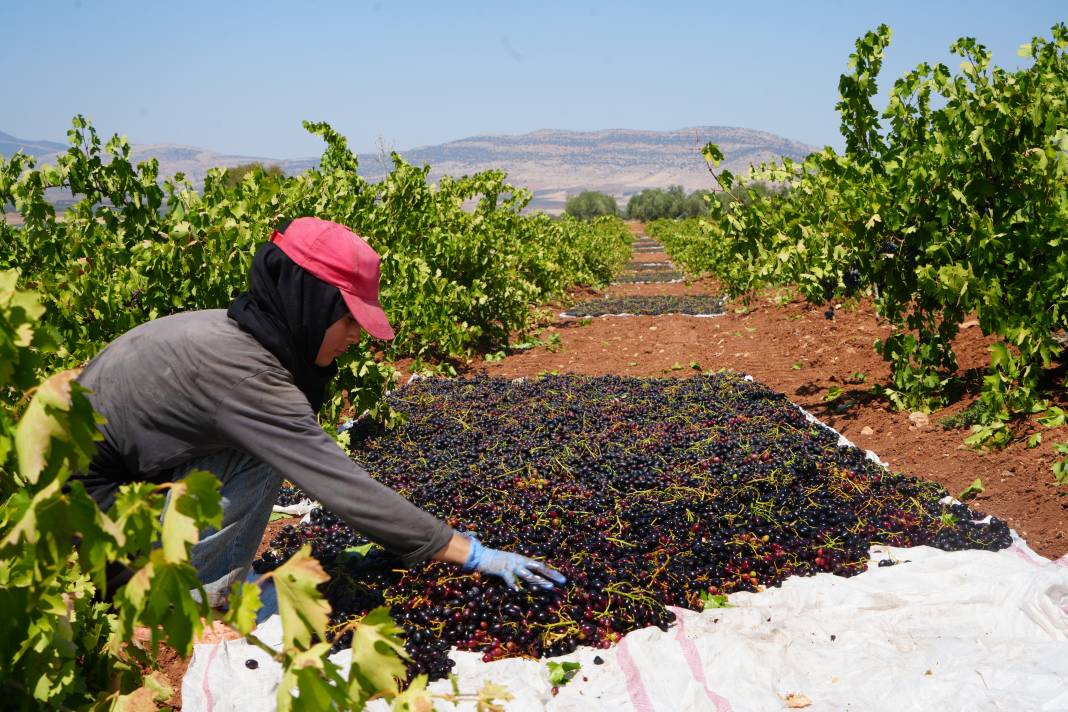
{"points": [[969, 324], [919, 419], [867, 430]]}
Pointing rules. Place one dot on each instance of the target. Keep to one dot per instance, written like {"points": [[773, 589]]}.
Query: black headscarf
{"points": [[288, 310]]}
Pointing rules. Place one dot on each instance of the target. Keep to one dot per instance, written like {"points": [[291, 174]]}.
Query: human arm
{"points": [[266, 416], [455, 551]]}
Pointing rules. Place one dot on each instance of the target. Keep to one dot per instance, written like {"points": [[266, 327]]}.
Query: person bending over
{"points": [[236, 391]]}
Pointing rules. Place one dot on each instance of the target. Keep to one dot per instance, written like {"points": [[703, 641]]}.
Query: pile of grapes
{"points": [[648, 306], [645, 493]]}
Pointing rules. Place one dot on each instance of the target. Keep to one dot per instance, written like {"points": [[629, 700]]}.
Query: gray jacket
{"points": [[194, 383]]}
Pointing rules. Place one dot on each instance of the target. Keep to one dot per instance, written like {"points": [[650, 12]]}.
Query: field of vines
{"points": [[461, 264], [949, 205]]}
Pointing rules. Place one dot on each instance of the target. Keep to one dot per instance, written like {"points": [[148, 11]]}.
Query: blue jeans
{"points": [[249, 490]]}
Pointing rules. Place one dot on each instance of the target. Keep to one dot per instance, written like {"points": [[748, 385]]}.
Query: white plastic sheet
{"points": [[968, 630], [300, 509]]}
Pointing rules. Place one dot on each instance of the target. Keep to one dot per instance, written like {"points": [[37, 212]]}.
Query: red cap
{"points": [[339, 257]]}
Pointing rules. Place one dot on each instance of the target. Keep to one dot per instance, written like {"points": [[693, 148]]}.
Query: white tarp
{"points": [[969, 630]]}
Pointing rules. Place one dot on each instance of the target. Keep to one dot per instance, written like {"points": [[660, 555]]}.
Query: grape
{"points": [[645, 493]]}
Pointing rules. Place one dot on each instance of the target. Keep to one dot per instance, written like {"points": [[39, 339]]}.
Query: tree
{"points": [[235, 174], [657, 203], [590, 204]]}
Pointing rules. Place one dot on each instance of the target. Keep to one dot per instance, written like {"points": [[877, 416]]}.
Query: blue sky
{"points": [[238, 77]]}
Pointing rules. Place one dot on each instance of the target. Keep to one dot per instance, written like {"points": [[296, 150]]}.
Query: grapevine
{"points": [[948, 205]]}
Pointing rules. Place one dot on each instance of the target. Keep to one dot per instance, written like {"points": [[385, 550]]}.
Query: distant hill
{"points": [[552, 163], [620, 162], [9, 145]]}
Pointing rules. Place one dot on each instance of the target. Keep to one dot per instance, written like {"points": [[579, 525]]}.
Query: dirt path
{"points": [[790, 345]]}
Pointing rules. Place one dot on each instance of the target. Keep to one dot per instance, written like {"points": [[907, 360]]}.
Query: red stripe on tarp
{"points": [[639, 698], [204, 685], [693, 659], [1023, 555], [1035, 558]]}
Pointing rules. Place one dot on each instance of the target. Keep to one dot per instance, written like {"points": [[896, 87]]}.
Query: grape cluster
{"points": [[645, 493], [288, 495], [851, 280], [326, 534]]}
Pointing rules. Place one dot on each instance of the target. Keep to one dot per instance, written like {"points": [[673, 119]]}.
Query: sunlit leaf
{"points": [[378, 653], [302, 607]]}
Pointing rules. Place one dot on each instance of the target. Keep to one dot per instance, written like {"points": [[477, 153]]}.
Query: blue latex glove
{"points": [[510, 566]]}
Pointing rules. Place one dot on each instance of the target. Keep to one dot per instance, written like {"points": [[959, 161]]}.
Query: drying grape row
{"points": [[645, 493], [638, 266], [649, 276], [648, 306]]}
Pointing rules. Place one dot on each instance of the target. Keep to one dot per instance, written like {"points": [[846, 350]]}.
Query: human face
{"points": [[338, 337]]}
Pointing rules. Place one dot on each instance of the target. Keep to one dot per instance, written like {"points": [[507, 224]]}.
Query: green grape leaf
{"points": [[53, 433], [714, 600], [158, 596], [194, 503], [378, 653], [145, 698], [416, 698], [244, 603], [1060, 467], [303, 609], [712, 154], [309, 681], [561, 673], [833, 393], [1055, 417], [136, 514], [972, 490]]}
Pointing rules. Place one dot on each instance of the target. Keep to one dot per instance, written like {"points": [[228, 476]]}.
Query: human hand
{"points": [[510, 566]]}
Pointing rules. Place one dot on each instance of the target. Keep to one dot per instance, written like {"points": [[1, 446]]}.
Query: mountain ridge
{"points": [[551, 163]]}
